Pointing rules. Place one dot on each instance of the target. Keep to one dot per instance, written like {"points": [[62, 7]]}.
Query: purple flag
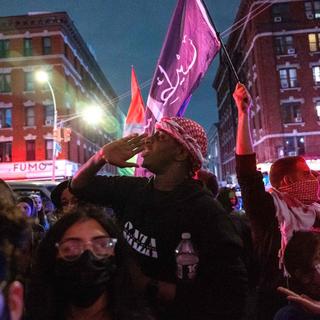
{"points": [[191, 44]]}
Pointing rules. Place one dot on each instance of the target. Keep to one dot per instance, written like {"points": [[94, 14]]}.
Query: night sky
{"points": [[131, 32]]}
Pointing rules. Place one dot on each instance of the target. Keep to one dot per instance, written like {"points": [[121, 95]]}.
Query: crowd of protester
{"points": [[74, 258]]}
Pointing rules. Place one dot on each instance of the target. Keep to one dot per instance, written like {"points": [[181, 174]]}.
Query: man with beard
{"points": [[290, 205], [13, 239], [155, 212]]}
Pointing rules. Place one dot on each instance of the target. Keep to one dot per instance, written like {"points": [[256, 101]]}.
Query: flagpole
{"points": [[222, 44]]}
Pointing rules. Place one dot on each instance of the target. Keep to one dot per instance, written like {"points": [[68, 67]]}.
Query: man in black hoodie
{"points": [[155, 212]]}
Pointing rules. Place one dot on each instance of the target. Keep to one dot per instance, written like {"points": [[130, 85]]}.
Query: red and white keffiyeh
{"points": [[190, 134], [292, 216]]}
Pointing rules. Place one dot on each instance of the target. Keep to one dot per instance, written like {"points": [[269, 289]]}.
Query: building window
{"points": [[312, 9], [318, 109], [291, 112], [284, 45], [5, 151], [316, 75], [288, 78], [294, 146], [30, 117], [46, 45], [49, 149], [48, 115], [314, 41], [5, 118], [28, 81], [280, 12], [4, 48], [27, 47], [5, 82], [30, 150]]}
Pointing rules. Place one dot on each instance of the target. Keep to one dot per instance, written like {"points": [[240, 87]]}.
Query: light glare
{"points": [[92, 114], [41, 76]]}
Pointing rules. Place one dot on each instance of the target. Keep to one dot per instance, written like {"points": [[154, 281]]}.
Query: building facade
{"points": [[214, 161], [276, 53], [50, 42]]}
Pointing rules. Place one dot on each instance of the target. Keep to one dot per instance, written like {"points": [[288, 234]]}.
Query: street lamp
{"points": [[42, 77]]}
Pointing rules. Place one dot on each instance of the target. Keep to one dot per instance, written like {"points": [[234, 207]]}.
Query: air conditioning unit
{"points": [[48, 122], [310, 16], [292, 153], [277, 19], [291, 51], [298, 119]]}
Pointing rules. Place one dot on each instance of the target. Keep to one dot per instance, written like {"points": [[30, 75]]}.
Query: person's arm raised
{"points": [[243, 101], [116, 153]]}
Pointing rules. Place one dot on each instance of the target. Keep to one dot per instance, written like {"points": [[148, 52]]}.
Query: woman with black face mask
{"points": [[83, 270]]}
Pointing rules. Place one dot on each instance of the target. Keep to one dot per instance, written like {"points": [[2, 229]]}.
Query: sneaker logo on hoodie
{"points": [[139, 241]]}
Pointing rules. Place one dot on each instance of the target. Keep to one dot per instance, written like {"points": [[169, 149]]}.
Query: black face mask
{"points": [[84, 280]]}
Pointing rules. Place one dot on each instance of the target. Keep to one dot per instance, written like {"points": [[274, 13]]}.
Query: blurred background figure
{"points": [[63, 199], [209, 180], [228, 199], [302, 263], [37, 201], [43, 219], [83, 271], [49, 211], [27, 206], [14, 238]]}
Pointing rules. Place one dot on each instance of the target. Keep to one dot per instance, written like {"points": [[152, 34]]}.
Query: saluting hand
{"points": [[119, 151]]}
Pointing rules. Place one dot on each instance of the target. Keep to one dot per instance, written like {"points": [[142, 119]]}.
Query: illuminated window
{"points": [[5, 82], [294, 146], [312, 9], [46, 45], [49, 149], [48, 115], [5, 118], [5, 151], [4, 48], [288, 78], [30, 117], [284, 45], [27, 47], [291, 112], [28, 81], [30, 150], [314, 41], [318, 109], [316, 75]]}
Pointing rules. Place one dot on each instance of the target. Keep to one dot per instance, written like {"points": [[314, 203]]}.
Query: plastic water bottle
{"points": [[186, 258]]}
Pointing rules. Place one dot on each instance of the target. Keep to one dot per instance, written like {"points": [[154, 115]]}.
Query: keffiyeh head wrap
{"points": [[188, 133]]}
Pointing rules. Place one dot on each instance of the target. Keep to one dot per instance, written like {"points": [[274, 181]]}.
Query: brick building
{"points": [[277, 55], [50, 42]]}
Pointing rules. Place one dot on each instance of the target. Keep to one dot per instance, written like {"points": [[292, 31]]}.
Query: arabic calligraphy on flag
{"points": [[191, 44]]}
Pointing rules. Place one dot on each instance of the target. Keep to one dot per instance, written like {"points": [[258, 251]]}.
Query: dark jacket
{"points": [[260, 208], [153, 222]]}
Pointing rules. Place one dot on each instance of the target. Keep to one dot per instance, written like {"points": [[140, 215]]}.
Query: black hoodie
{"points": [[153, 222]]}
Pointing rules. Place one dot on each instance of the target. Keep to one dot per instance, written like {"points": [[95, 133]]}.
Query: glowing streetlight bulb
{"points": [[41, 76], [92, 114]]}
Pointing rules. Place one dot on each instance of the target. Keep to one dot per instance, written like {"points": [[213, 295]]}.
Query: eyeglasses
{"points": [[71, 249]]}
